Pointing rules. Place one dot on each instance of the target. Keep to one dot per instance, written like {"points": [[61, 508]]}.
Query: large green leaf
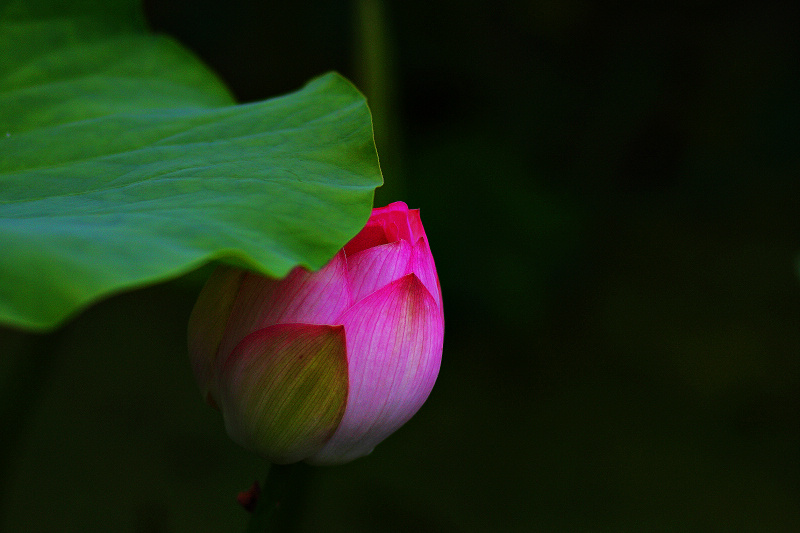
{"points": [[124, 161]]}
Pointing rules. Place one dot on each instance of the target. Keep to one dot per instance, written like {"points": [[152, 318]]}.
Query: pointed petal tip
{"points": [[394, 206], [425, 268], [415, 223], [413, 283]]}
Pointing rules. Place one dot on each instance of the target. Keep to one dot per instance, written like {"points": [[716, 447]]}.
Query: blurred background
{"points": [[610, 190]]}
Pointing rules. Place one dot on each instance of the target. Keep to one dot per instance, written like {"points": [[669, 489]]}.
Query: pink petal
{"points": [[283, 390], [373, 234], [371, 269], [394, 207], [415, 224], [394, 350], [302, 297], [423, 266], [387, 224], [208, 322], [395, 224]]}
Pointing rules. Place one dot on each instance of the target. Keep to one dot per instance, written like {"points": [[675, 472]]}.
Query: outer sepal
{"points": [[208, 322], [283, 390]]}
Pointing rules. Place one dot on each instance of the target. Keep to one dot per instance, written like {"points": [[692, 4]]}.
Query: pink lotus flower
{"points": [[322, 366]]}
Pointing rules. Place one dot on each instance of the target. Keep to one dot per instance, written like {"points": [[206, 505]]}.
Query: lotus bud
{"points": [[322, 366]]}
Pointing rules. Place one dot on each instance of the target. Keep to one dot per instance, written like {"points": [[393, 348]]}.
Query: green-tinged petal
{"points": [[283, 390], [207, 324], [302, 297]]}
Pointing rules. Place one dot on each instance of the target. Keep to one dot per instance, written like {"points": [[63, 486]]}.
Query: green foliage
{"points": [[124, 162]]}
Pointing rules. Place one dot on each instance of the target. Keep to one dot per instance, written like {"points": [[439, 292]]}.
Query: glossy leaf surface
{"points": [[125, 162]]}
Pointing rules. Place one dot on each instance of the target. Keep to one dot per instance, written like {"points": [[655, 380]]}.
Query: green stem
{"points": [[375, 74], [279, 508]]}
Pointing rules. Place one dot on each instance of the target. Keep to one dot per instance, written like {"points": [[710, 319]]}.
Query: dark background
{"points": [[611, 194]]}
